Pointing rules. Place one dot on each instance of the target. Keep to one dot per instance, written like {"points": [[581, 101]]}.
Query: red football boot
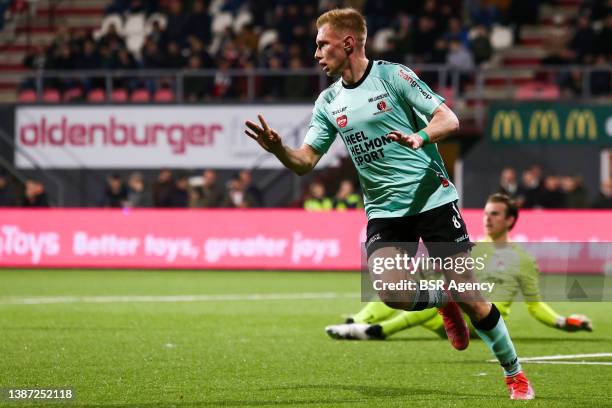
{"points": [[519, 387], [456, 329]]}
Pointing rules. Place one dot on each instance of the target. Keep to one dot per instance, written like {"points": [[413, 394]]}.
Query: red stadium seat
{"points": [[72, 94], [51, 95], [96, 96], [164, 95], [119, 95], [537, 91], [27, 96], [140, 96]]}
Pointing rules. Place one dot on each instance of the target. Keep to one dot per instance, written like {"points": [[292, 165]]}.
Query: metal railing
{"points": [[469, 90]]}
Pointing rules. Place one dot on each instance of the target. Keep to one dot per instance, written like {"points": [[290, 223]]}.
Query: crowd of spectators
{"points": [[585, 40], [451, 32], [181, 190], [31, 194], [536, 190], [346, 197]]}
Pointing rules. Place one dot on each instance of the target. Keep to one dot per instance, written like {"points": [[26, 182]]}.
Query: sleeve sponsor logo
{"points": [[413, 83]]}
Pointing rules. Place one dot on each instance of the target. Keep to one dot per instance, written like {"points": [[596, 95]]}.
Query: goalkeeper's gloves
{"points": [[574, 323]]}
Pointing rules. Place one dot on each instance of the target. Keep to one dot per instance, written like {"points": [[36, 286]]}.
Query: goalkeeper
{"points": [[519, 274]]}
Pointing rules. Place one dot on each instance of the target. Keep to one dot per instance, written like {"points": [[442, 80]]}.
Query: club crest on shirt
{"points": [[342, 121], [382, 107]]}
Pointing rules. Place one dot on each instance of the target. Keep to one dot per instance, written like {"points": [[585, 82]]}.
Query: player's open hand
{"points": [[412, 141], [577, 322], [266, 137]]}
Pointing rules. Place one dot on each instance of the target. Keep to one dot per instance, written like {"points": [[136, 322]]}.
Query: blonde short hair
{"points": [[345, 20]]}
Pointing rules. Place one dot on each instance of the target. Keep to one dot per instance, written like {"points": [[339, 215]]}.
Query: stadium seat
{"points": [[537, 91], [267, 37], [96, 96], [111, 19], [119, 95], [381, 39], [140, 96], [243, 18], [28, 96], [220, 22], [72, 94], [134, 32], [501, 37], [51, 95], [164, 95]]}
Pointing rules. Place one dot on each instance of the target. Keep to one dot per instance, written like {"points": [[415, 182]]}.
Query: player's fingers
{"points": [[254, 127], [263, 122], [251, 135], [396, 133]]}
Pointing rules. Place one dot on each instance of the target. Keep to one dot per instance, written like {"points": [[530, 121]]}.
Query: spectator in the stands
{"points": [[35, 194], [152, 57], [8, 198], [552, 194], [237, 196], [575, 194], [605, 195], [137, 195], [426, 36], [346, 196], [246, 178], [177, 22], [530, 191], [456, 31], [316, 199], [482, 12], [297, 86], [603, 42], [180, 193], [163, 188], [115, 192], [199, 21], [174, 58], [196, 87], [211, 192], [583, 41], [480, 45], [601, 77], [273, 85], [508, 183]]}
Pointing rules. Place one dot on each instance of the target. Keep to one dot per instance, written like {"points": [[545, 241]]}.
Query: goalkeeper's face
{"points": [[496, 222], [331, 53]]}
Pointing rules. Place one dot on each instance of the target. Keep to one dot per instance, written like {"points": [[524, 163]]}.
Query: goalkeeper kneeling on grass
{"points": [[519, 274]]}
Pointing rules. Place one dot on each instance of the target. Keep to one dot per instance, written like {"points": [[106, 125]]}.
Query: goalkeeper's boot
{"points": [[355, 331], [456, 329], [519, 387]]}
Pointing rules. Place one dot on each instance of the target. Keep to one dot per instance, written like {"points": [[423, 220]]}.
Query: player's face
{"points": [[330, 53], [495, 221]]}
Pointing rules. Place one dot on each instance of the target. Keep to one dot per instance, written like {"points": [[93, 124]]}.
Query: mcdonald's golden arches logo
{"points": [[581, 124], [544, 123], [507, 124]]}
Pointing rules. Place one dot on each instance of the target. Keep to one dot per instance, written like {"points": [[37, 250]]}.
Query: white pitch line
{"points": [[570, 362], [175, 299], [567, 356], [554, 359]]}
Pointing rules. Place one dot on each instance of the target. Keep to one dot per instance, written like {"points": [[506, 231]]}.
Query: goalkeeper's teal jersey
{"points": [[396, 180]]}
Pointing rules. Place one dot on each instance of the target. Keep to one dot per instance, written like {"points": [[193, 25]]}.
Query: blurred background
{"points": [[530, 81]]}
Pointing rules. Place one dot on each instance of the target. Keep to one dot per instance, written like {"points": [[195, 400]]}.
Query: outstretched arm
{"points": [[443, 123], [545, 314], [300, 160]]}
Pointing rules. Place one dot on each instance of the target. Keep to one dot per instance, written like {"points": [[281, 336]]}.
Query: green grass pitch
{"points": [[132, 339]]}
